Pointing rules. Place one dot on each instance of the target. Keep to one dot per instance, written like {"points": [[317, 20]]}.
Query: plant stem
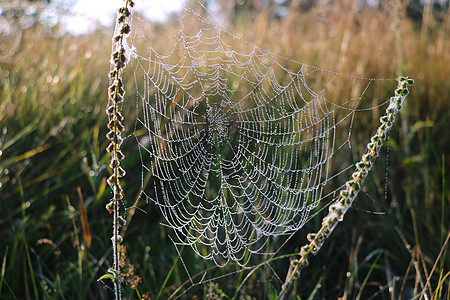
{"points": [[116, 94], [347, 196]]}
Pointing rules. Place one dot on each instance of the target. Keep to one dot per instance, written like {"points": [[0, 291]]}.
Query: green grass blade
{"points": [[2, 275], [366, 279], [30, 266]]}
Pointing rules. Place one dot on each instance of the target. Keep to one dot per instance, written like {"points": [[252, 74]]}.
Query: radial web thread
{"points": [[239, 144]]}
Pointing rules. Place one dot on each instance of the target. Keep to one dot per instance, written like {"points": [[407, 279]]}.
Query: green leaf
{"points": [[107, 276]]}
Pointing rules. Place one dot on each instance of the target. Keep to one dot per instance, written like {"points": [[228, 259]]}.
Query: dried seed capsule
{"points": [[122, 221], [304, 263], [121, 172], [120, 155], [110, 148], [120, 128], [313, 247], [118, 82], [112, 74], [125, 29], [119, 238], [110, 135], [344, 194], [111, 124], [114, 164], [117, 139], [110, 206], [111, 181], [110, 110], [310, 237], [119, 117], [384, 119], [304, 250]]}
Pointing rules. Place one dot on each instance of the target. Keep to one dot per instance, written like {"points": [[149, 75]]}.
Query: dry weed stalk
{"points": [[116, 94], [347, 196]]}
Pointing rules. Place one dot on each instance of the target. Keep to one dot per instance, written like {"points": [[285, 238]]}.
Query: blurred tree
{"points": [[276, 8], [16, 16], [427, 10], [417, 10], [48, 1]]}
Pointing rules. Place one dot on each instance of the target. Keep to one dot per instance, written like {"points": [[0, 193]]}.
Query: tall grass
{"points": [[52, 137]]}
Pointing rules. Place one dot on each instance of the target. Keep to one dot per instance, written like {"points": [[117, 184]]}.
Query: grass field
{"points": [[55, 231]]}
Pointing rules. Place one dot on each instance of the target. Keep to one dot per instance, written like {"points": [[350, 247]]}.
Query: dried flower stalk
{"points": [[116, 93]]}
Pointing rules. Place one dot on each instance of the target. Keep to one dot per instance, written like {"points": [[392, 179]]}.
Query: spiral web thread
{"points": [[239, 143]]}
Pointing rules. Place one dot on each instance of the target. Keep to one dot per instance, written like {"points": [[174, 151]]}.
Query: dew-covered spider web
{"points": [[239, 146]]}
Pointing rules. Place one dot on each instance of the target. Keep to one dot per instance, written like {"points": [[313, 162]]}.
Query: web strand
{"points": [[241, 144]]}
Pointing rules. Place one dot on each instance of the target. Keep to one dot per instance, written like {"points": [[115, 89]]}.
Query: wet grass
{"points": [[55, 231]]}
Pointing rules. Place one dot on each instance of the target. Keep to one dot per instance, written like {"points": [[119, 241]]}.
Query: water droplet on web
{"points": [[203, 146]]}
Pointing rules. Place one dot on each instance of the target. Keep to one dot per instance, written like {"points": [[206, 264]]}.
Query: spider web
{"points": [[238, 145]]}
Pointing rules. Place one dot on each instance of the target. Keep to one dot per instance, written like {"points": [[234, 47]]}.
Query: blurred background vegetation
{"points": [[55, 231]]}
